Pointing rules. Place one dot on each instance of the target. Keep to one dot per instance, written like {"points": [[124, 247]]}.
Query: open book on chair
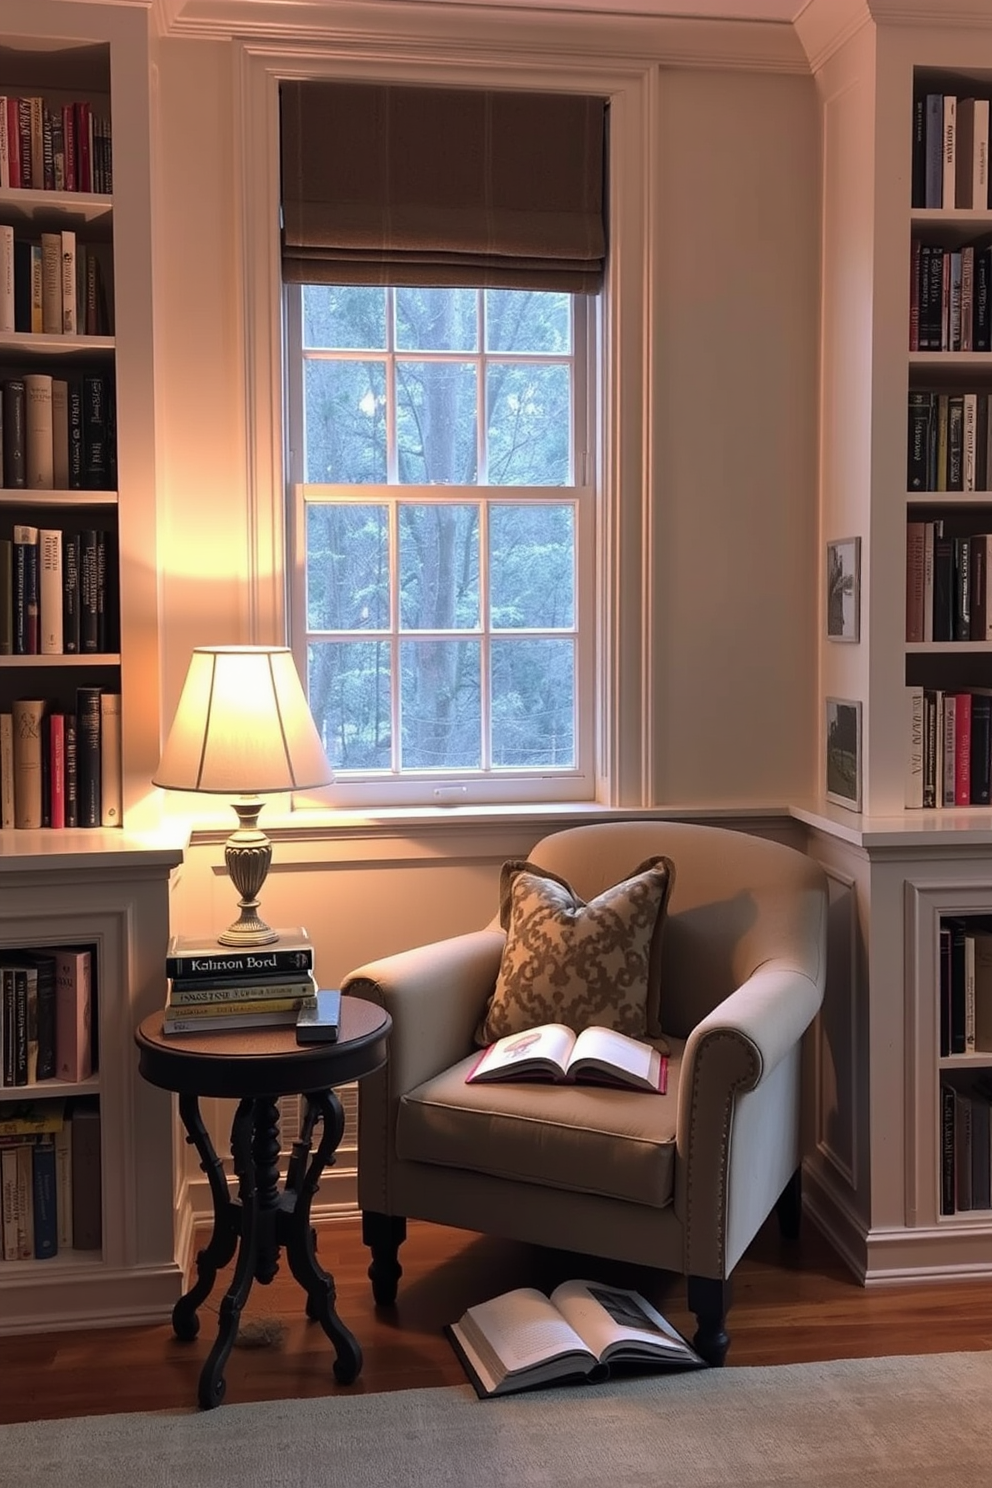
{"points": [[554, 1052], [582, 1331]]}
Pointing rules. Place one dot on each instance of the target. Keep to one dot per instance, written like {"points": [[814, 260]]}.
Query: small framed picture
{"points": [[843, 783], [844, 589]]}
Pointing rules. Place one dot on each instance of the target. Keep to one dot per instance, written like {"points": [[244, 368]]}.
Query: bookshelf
{"points": [[107, 888], [897, 874]]}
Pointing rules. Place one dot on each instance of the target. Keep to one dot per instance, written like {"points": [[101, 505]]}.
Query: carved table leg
{"points": [[300, 1237], [212, 1386], [227, 1223]]}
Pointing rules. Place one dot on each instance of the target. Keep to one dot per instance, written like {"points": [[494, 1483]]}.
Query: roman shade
{"points": [[385, 184]]}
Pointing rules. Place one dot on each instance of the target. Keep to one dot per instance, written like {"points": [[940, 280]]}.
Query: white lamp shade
{"points": [[242, 726]]}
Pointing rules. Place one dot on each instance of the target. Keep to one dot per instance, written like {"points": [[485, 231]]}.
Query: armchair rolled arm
{"points": [[729, 1053], [435, 995]]}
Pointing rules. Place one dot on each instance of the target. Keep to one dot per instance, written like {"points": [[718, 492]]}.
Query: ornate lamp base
{"points": [[248, 853]]}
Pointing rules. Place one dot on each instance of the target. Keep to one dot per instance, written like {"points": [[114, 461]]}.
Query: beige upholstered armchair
{"points": [[680, 1181]]}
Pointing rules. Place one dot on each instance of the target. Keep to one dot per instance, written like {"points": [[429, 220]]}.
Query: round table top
{"points": [[257, 1062]]}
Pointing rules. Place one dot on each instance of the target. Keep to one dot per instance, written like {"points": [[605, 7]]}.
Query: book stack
{"points": [[214, 988], [50, 1177]]}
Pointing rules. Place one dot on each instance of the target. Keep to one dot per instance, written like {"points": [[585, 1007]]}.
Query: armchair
{"points": [[681, 1182]]}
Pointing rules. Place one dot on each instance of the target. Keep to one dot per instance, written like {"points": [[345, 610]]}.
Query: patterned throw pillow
{"points": [[580, 964]]}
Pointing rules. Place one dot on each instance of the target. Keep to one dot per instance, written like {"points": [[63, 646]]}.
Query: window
{"points": [[442, 522]]}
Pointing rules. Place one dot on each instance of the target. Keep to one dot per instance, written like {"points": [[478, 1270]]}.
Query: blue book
{"points": [[46, 1223]]}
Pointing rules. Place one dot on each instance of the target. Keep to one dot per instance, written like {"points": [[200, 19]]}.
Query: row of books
{"points": [[58, 433], [948, 584], [56, 593], [965, 984], [949, 759], [965, 1147], [950, 151], [214, 988], [46, 1015], [50, 1178], [54, 146], [950, 441], [52, 287], [62, 769], [949, 305]]}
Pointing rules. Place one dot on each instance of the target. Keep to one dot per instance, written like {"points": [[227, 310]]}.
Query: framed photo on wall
{"points": [[843, 752], [844, 589]]}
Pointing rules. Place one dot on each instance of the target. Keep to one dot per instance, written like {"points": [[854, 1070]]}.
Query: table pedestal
{"points": [[259, 1223]]}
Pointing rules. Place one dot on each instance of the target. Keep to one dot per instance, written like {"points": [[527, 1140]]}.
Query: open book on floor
{"points": [[583, 1331], [553, 1052]]}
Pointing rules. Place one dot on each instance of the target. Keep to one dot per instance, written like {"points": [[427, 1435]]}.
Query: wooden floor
{"points": [[792, 1303]]}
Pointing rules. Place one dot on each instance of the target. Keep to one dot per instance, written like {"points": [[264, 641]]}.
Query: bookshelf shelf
{"points": [[48, 663]]}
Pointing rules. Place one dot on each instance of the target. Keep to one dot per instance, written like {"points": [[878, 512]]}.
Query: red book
{"points": [[84, 167], [14, 140], [962, 749], [69, 145], [56, 767], [73, 1014]]}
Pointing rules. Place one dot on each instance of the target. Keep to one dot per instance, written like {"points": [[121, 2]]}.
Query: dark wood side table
{"points": [[256, 1067]]}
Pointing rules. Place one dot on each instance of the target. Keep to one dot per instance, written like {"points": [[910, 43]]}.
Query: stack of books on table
{"points": [[214, 988]]}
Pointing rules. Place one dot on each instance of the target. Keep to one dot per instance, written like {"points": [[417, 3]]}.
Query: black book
{"points": [[102, 596], [962, 588], [8, 1020], [958, 929], [88, 756], [45, 963], [193, 957], [943, 588], [955, 442], [945, 991], [921, 433], [981, 747], [89, 603], [22, 285], [919, 176], [26, 612], [70, 593], [14, 460], [75, 401], [981, 1149], [96, 461], [923, 285], [933, 161], [935, 318], [981, 327]]}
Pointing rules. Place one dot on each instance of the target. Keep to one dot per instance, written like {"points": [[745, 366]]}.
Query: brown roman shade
{"points": [[442, 186]]}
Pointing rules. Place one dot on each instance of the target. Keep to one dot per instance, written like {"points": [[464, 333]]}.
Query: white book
{"points": [[111, 784], [949, 189], [60, 434], [39, 447], [950, 748], [69, 321], [914, 751], [51, 283], [524, 1338], [50, 591], [6, 278], [554, 1052]]}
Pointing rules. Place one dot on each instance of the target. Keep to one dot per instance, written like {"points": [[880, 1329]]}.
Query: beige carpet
{"points": [[870, 1423]]}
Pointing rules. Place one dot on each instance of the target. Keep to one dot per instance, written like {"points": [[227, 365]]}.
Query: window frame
{"points": [[629, 703], [416, 787]]}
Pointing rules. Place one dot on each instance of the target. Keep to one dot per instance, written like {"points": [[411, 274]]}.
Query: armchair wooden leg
{"points": [[384, 1234], [710, 1301], [789, 1207]]}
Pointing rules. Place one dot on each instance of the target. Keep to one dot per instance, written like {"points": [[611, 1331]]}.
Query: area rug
{"points": [[874, 1423]]}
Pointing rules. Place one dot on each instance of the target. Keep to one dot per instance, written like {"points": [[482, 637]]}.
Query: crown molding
{"points": [[826, 25], [514, 26]]}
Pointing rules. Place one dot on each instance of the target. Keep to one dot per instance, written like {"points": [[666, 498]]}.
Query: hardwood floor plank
{"points": [[792, 1303]]}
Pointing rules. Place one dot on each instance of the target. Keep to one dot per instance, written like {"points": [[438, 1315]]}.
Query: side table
{"points": [[256, 1067]]}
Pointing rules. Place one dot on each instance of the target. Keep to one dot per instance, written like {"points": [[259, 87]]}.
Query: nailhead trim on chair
{"points": [[745, 1083]]}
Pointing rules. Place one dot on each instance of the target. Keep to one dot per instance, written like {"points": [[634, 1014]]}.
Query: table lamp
{"points": [[243, 728]]}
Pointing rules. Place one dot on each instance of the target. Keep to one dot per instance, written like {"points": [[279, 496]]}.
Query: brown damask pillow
{"points": [[569, 962]]}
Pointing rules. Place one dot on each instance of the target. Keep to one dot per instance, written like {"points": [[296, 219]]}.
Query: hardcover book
{"points": [[198, 956], [73, 1013], [583, 1331], [87, 1195]]}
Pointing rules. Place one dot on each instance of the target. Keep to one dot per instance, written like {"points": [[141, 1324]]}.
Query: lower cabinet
{"points": [[87, 1160]]}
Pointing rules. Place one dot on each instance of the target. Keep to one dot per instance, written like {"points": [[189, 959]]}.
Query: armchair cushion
{"points": [[567, 961], [619, 1144]]}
